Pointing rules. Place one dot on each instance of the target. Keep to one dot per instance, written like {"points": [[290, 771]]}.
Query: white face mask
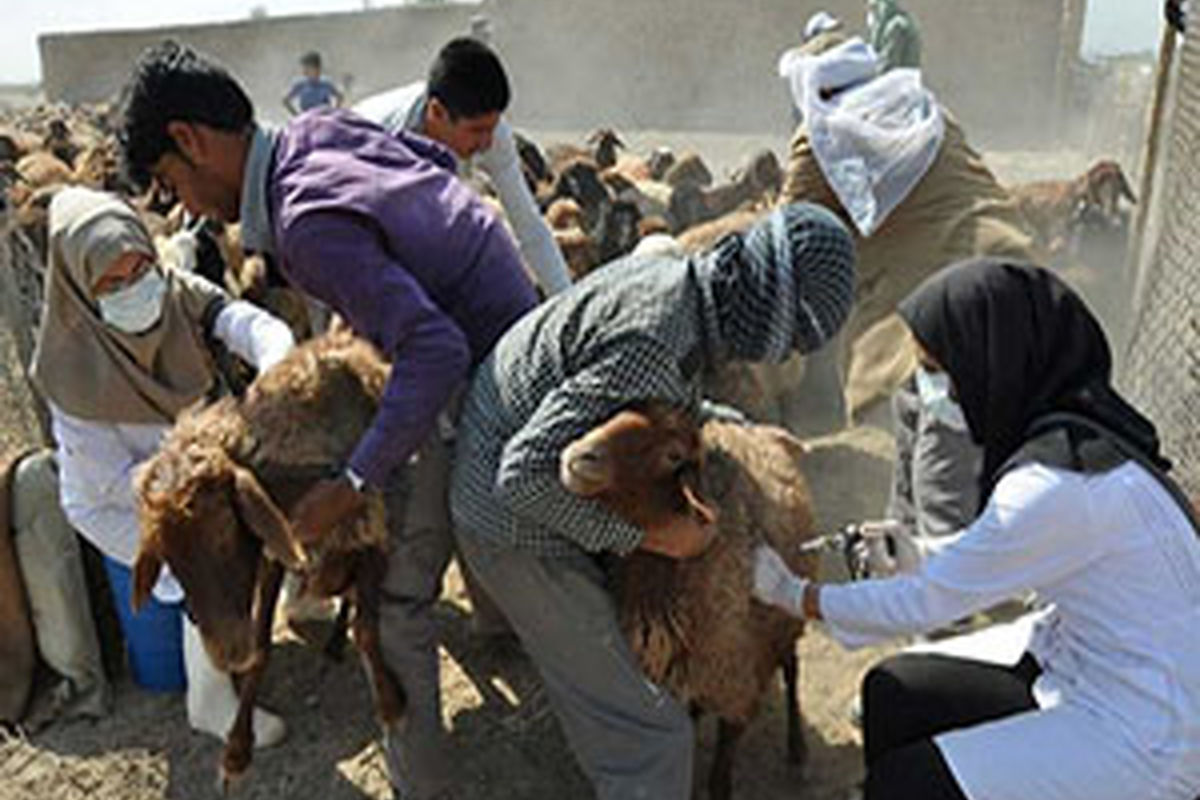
{"points": [[135, 308], [934, 391]]}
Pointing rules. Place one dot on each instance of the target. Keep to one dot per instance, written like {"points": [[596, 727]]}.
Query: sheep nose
{"points": [[582, 469]]}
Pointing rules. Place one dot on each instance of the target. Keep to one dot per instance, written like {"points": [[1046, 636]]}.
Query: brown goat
{"points": [[604, 143], [1055, 208], [760, 179], [694, 624], [213, 505], [690, 169]]}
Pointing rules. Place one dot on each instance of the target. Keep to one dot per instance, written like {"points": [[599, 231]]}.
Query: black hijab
{"points": [[1019, 344]]}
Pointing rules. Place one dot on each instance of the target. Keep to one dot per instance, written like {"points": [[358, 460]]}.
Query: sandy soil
{"points": [[501, 723]]}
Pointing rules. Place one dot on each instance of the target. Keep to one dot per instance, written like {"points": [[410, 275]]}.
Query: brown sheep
{"points": [[59, 142], [533, 163], [564, 214], [1056, 208], [652, 198], [694, 624], [580, 181], [652, 168], [688, 170], [604, 143], [579, 251], [44, 169], [760, 179], [214, 503]]}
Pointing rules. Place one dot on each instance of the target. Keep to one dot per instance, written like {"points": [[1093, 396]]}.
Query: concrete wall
{"points": [[663, 64]]}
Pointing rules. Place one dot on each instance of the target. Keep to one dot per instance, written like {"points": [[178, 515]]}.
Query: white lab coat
{"points": [[97, 459], [1118, 564], [403, 108]]}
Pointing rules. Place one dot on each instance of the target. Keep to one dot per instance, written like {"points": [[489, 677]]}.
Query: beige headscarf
{"points": [[91, 370]]}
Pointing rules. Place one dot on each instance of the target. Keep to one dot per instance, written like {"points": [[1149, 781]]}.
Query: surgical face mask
{"points": [[135, 308], [933, 388]]}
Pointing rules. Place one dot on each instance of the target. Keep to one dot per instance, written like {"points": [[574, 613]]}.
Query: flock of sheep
{"points": [[227, 474]]}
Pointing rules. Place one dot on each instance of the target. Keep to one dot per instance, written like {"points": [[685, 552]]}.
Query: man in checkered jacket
{"points": [[642, 328]]}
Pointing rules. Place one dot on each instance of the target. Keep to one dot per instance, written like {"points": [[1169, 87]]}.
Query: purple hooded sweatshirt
{"points": [[378, 228]]}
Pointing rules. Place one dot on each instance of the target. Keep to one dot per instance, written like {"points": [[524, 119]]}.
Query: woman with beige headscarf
{"points": [[126, 344]]}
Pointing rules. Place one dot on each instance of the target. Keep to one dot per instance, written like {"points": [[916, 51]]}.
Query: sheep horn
{"points": [[705, 512]]}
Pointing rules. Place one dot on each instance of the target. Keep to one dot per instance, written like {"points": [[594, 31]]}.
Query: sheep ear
{"points": [[703, 511], [263, 517], [146, 569]]}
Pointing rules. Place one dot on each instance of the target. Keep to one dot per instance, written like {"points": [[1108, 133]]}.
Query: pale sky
{"points": [[1112, 25]]}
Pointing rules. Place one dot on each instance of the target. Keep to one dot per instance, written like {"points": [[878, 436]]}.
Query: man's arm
{"points": [[253, 334], [528, 478], [503, 165], [338, 259]]}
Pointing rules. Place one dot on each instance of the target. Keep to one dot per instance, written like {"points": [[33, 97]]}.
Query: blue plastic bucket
{"points": [[153, 636]]}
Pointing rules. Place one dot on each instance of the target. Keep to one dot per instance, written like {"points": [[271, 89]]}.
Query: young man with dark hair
{"points": [[460, 105], [311, 90], [378, 228]]}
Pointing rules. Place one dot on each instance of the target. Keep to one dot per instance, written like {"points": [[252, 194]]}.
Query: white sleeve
{"points": [[1036, 529], [256, 336], [503, 166], [96, 484], [391, 109]]}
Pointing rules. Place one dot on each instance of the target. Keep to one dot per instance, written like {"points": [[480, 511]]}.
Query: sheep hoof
{"points": [[233, 768], [227, 781]]}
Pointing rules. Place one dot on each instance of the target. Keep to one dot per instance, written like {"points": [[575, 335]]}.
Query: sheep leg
{"points": [[389, 694], [720, 777], [239, 744], [797, 748]]}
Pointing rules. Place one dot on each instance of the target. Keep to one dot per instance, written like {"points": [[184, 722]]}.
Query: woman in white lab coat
{"points": [[1103, 699], [125, 344]]}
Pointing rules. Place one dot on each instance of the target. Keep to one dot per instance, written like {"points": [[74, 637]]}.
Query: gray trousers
{"points": [[419, 528], [632, 738], [935, 487], [52, 564]]}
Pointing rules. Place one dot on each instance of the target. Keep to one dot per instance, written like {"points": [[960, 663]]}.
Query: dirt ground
{"points": [[509, 745], [508, 742]]}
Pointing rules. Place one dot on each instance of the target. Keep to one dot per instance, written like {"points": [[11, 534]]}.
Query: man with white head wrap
{"points": [[642, 328], [881, 152]]}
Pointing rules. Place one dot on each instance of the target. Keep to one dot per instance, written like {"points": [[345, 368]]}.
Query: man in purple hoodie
{"points": [[378, 228]]}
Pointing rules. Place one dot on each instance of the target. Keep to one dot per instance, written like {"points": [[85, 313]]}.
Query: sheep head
{"points": [[661, 160], [212, 523], [644, 464], [606, 142], [580, 181], [1105, 185]]}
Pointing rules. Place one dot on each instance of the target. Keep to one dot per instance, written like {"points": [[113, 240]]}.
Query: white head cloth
{"points": [[820, 22], [876, 137]]}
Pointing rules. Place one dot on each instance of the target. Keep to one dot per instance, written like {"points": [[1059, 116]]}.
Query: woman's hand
{"points": [[323, 506], [776, 585]]}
